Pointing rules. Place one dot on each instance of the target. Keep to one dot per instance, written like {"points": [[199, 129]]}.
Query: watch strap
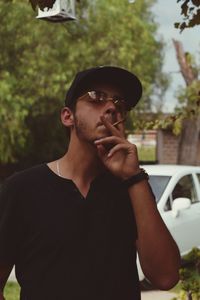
{"points": [[142, 175]]}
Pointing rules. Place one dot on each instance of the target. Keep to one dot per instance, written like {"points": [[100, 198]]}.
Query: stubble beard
{"points": [[84, 132]]}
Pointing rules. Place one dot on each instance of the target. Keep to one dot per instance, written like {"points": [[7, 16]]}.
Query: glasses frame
{"points": [[103, 97]]}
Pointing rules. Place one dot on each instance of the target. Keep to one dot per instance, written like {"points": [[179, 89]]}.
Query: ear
{"points": [[67, 117]]}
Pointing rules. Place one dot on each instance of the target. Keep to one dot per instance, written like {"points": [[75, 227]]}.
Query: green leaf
{"points": [[38, 61]]}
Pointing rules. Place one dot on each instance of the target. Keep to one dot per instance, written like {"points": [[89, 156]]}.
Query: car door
{"points": [[184, 226]]}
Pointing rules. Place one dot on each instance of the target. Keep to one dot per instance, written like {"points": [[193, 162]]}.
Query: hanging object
{"points": [[62, 10]]}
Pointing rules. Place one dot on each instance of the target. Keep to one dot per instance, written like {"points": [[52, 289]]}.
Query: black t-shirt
{"points": [[65, 246]]}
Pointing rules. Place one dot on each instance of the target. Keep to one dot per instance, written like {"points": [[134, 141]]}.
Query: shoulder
{"points": [[24, 179]]}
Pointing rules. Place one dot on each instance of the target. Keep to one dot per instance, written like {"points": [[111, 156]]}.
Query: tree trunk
{"points": [[188, 143], [185, 67], [190, 134]]}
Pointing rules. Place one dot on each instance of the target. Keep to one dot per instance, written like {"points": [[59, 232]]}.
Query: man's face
{"points": [[87, 123]]}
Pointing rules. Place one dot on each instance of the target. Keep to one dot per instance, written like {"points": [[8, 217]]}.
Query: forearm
{"points": [[158, 253]]}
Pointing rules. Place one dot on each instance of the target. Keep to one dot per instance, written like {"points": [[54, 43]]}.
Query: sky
{"points": [[167, 12]]}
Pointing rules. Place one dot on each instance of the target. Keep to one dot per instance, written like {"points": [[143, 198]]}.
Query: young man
{"points": [[72, 227]]}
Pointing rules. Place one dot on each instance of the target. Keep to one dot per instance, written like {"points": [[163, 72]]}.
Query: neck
{"points": [[81, 162]]}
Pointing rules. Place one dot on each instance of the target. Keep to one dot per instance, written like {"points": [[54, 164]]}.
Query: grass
{"points": [[11, 291], [147, 153]]}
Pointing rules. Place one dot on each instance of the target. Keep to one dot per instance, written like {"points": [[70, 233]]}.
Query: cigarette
{"points": [[118, 122]]}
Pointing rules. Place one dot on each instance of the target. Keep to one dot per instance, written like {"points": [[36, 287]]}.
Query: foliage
{"points": [[193, 257], [24, 94], [188, 108], [12, 291], [190, 9], [190, 277], [171, 122], [190, 97], [147, 154], [39, 59]]}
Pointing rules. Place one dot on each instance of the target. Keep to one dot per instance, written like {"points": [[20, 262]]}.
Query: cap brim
{"points": [[126, 81]]}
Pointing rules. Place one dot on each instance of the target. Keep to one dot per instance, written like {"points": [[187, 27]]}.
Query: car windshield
{"points": [[158, 184]]}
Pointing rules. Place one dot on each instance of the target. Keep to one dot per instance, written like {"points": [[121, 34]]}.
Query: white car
{"points": [[177, 192]]}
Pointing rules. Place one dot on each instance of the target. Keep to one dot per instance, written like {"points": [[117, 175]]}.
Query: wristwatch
{"points": [[142, 175]]}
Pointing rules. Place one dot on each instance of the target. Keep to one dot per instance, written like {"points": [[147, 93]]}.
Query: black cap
{"points": [[126, 81]]}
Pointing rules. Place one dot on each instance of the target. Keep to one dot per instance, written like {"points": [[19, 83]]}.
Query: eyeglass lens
{"points": [[101, 96]]}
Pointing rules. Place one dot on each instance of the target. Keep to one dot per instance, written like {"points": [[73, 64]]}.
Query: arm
{"points": [[158, 252], [4, 274]]}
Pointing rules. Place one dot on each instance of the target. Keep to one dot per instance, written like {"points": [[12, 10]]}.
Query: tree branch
{"points": [[185, 67]]}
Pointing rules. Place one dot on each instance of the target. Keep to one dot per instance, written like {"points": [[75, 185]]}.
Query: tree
{"points": [[190, 132], [185, 122], [190, 9], [39, 59]]}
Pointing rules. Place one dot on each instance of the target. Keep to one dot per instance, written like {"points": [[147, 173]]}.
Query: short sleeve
{"points": [[9, 223]]}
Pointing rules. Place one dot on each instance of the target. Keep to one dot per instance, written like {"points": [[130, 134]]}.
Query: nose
{"points": [[110, 109]]}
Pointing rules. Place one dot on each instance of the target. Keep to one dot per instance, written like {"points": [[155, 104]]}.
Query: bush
{"points": [[190, 277]]}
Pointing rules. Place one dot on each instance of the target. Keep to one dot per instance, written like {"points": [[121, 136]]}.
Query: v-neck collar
{"points": [[98, 180]]}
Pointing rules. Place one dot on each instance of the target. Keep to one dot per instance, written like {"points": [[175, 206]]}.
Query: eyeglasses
{"points": [[99, 97]]}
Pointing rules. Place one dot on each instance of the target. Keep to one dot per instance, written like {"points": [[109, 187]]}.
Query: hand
{"points": [[121, 158]]}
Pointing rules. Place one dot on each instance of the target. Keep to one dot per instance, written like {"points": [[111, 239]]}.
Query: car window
{"points": [[184, 188], [158, 185], [198, 176]]}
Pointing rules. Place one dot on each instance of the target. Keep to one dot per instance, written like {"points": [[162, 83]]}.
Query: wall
{"points": [[167, 147]]}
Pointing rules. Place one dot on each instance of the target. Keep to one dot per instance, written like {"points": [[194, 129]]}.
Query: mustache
{"points": [[114, 124]]}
